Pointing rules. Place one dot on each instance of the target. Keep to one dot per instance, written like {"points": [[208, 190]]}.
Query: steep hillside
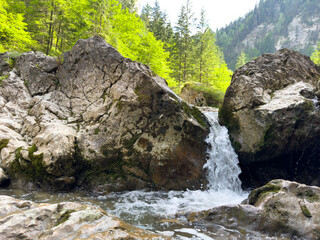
{"points": [[272, 25]]}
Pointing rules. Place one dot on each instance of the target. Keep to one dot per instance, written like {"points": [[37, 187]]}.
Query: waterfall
{"points": [[222, 163]]}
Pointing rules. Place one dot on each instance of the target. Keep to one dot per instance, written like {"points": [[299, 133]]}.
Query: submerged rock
{"points": [[99, 121], [283, 209], [28, 220], [272, 113]]}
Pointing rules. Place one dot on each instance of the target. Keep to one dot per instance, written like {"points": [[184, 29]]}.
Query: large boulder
{"points": [[280, 208], [271, 110], [28, 220], [97, 121]]}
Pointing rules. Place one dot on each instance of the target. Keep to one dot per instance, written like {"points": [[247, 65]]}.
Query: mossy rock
{"points": [[3, 143], [261, 192], [213, 96], [196, 113], [33, 169], [64, 217], [306, 212], [309, 195]]}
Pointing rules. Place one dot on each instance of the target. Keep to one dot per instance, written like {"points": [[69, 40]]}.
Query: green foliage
{"points": [[2, 78], [241, 60], [13, 34], [315, 57], [178, 55]]}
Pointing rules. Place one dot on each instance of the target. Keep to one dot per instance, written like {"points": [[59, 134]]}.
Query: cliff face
{"points": [[97, 121], [271, 26]]}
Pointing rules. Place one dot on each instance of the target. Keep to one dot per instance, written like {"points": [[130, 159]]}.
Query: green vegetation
{"points": [[178, 54], [194, 55], [278, 14], [241, 60], [315, 57], [2, 78]]}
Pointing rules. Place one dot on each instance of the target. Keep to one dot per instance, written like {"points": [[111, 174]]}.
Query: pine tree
{"points": [[183, 44], [241, 60], [146, 15]]}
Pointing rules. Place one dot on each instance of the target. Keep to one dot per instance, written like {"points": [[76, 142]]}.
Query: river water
{"points": [[163, 211]]}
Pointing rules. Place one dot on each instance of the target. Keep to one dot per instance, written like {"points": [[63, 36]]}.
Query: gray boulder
{"points": [[272, 113], [28, 220], [97, 121], [280, 208]]}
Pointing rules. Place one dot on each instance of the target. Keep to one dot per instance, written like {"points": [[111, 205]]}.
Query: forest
{"points": [[276, 16], [186, 52]]}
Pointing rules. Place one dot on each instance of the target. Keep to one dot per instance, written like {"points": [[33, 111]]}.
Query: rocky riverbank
{"points": [[282, 209]]}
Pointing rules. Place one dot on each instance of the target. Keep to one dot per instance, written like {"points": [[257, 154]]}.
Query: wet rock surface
{"points": [[28, 220], [282, 209], [271, 110], [98, 121]]}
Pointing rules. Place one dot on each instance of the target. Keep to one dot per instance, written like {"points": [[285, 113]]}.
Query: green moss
{"points": [[64, 217], [228, 119], [128, 144], [96, 131], [120, 105], [256, 194], [33, 169], [142, 97], [196, 113], [305, 211], [3, 143], [309, 195]]}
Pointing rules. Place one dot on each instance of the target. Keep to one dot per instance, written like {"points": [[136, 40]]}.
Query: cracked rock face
{"points": [[98, 121], [272, 112], [28, 220]]}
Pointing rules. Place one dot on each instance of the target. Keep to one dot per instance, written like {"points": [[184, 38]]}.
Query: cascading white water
{"points": [[222, 163], [224, 186]]}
